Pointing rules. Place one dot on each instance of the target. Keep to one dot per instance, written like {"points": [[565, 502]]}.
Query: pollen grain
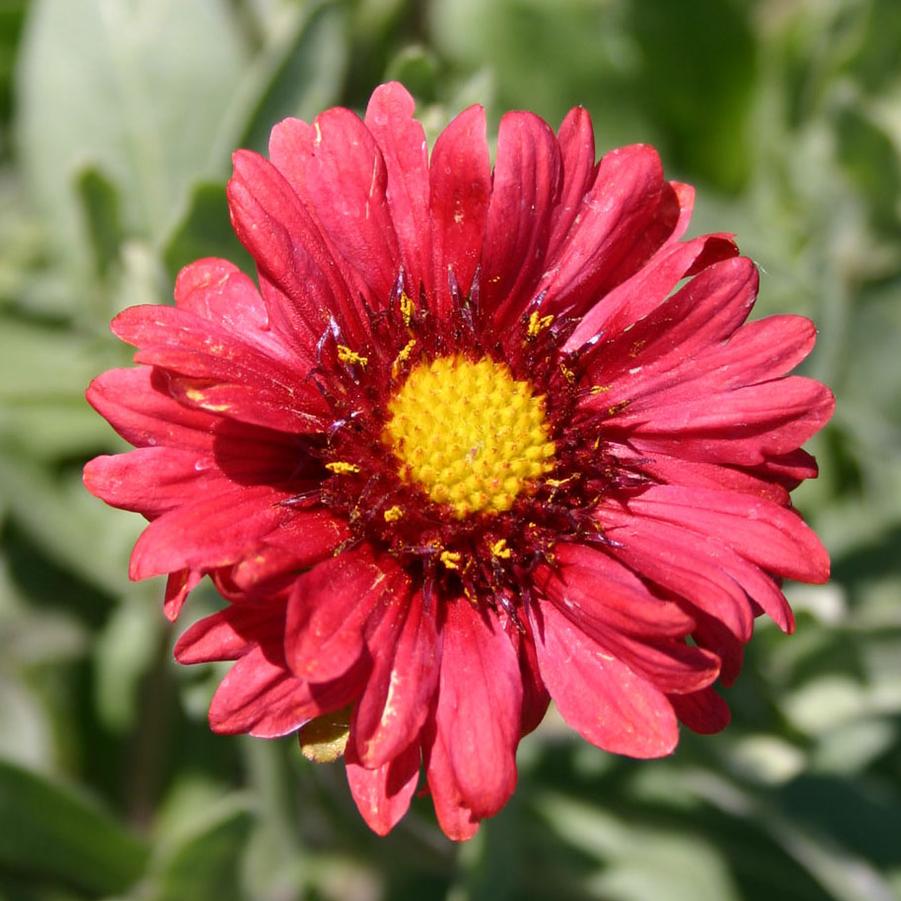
{"points": [[469, 434]]}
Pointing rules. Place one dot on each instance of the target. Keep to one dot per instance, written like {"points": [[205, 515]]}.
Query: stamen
{"points": [[393, 514], [339, 467], [348, 356], [538, 324]]}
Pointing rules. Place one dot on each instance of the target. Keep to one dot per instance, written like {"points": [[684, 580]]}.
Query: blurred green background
{"points": [[118, 118]]}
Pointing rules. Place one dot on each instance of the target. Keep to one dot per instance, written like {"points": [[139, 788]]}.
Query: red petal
{"points": [[479, 707], [208, 533], [628, 213], [455, 818], [178, 586], [306, 539], [337, 170], [231, 633], [389, 117], [228, 375], [705, 571], [218, 291], [138, 407], [598, 695], [693, 569], [685, 194], [688, 473], [770, 536], [576, 138], [277, 230], [398, 694], [743, 426], [527, 179], [535, 697], [598, 595], [383, 795], [261, 697], [639, 295], [331, 607], [703, 711], [152, 480], [589, 585], [459, 189]]}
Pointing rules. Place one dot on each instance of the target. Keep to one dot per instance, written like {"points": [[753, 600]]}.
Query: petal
{"points": [[218, 291], [279, 233], [743, 426], [309, 537], [398, 694], [153, 480], [337, 170], [628, 213], [455, 818], [598, 595], [249, 385], [676, 470], [527, 179], [706, 311], [679, 562], [535, 697], [756, 353], [643, 292], [332, 606], [773, 537], [389, 117], [704, 570], [231, 633], [208, 533], [598, 695], [479, 707], [704, 711], [261, 697], [576, 139], [138, 406], [178, 586], [383, 794], [587, 584], [685, 194], [459, 190]]}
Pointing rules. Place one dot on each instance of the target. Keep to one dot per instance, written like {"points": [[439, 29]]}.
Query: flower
{"points": [[477, 440]]}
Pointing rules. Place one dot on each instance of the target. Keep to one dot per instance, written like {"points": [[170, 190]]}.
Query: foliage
{"points": [[116, 123]]}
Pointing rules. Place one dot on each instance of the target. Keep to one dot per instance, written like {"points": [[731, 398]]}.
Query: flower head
{"points": [[476, 440]]}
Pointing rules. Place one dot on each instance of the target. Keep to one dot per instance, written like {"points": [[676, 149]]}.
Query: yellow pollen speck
{"points": [[538, 324], [469, 435], [342, 468], [393, 514], [500, 549], [599, 389], [346, 355], [451, 559], [406, 308], [404, 354]]}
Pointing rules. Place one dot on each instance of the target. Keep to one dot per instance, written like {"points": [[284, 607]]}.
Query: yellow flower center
{"points": [[469, 435]]}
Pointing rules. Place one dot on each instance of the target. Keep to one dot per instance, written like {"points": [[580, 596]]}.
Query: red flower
{"points": [[471, 444]]}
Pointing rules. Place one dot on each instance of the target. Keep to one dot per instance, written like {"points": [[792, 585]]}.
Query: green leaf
{"points": [[124, 652], [206, 865], [42, 363], [300, 73], [138, 89], [72, 527], [50, 832], [417, 68], [100, 204], [205, 231]]}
